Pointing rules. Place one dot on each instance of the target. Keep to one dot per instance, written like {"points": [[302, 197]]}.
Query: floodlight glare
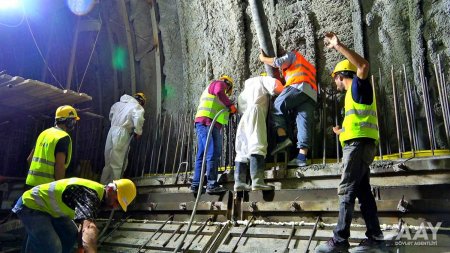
{"points": [[80, 7], [9, 4]]}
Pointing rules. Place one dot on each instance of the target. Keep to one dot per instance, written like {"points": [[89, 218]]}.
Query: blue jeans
{"points": [[46, 234], [358, 154], [212, 155], [293, 99]]}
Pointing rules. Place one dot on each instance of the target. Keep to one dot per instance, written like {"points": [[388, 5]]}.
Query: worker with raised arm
{"points": [[127, 120], [300, 96], [48, 212], [251, 134], [52, 153], [358, 137], [213, 99]]}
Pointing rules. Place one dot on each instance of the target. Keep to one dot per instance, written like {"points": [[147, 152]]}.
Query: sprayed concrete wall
{"points": [[203, 39]]}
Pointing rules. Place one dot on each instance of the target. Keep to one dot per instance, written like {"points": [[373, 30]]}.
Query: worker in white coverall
{"points": [[127, 119], [251, 134]]}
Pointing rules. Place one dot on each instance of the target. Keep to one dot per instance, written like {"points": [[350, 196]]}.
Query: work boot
{"points": [[257, 166], [370, 246], [282, 145], [332, 247], [240, 174]]}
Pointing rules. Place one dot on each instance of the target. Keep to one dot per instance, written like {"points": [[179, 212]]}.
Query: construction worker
{"points": [[52, 153], [48, 212], [127, 119], [251, 134], [358, 137], [300, 96], [213, 99]]}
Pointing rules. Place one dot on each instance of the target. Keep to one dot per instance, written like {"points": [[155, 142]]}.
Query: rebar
{"points": [[396, 113]]}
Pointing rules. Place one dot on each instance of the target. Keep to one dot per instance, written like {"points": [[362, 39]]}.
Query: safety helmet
{"points": [[126, 192], [344, 65], [66, 112], [263, 73], [140, 98], [229, 81]]}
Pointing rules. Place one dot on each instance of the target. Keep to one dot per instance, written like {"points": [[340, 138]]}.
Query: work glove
{"points": [[233, 109]]}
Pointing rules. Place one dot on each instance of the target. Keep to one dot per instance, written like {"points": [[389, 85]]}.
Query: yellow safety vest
{"points": [[360, 120], [209, 106], [48, 197], [42, 167]]}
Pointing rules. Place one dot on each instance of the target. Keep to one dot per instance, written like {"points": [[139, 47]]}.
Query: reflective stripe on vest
{"points": [[300, 71], [48, 197], [42, 167], [360, 120], [209, 106]]}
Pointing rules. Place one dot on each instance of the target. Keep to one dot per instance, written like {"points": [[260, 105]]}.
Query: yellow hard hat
{"points": [[264, 74], [344, 65], [140, 97], [66, 112], [227, 79], [126, 192]]}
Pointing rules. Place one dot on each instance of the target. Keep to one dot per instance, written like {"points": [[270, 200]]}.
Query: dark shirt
{"points": [[362, 91], [63, 146], [83, 200]]}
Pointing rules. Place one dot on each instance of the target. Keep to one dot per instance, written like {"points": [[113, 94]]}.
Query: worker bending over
{"points": [[358, 137], [47, 212], [251, 134], [299, 95], [127, 119], [213, 99], [51, 156]]}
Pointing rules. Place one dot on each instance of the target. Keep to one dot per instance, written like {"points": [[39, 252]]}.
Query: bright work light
{"points": [[9, 4]]}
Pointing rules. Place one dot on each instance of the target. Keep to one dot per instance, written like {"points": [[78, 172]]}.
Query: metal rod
{"points": [[425, 103], [444, 101], [291, 234], [216, 238], [196, 234], [161, 143], [189, 147], [174, 233], [376, 113], [182, 139], [385, 114], [157, 231], [102, 240], [430, 112], [312, 234], [397, 123], [176, 146], [147, 147], [243, 232], [168, 145], [324, 124], [444, 90], [408, 110], [155, 140], [338, 155], [413, 116], [441, 98], [200, 186]]}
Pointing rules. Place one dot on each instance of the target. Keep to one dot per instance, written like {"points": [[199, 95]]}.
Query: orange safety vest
{"points": [[300, 71]]}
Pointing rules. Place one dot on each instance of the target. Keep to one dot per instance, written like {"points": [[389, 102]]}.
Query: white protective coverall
{"points": [[126, 116], [253, 104]]}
